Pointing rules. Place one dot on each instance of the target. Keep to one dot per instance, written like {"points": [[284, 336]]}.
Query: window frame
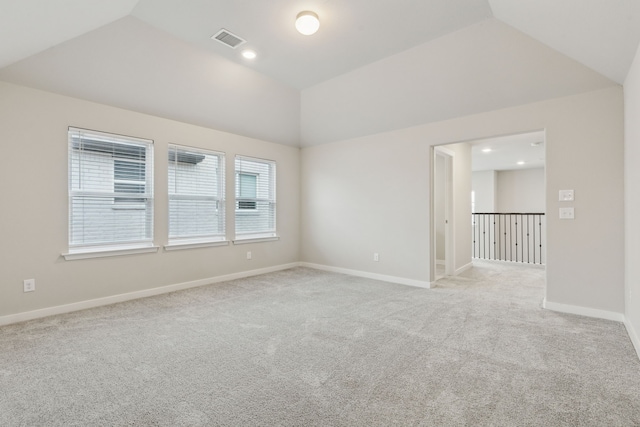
{"points": [[128, 202], [243, 205], [255, 235], [81, 144], [177, 241]]}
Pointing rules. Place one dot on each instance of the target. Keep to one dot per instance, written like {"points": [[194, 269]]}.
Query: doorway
{"points": [[520, 191]]}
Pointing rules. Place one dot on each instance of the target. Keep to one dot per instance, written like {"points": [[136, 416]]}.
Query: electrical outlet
{"points": [[376, 257], [29, 285], [248, 255]]}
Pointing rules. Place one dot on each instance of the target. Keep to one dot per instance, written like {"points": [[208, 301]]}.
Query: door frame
{"points": [[449, 235]]}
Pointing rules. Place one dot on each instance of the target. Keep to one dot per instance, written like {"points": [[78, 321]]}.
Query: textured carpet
{"points": [[308, 348]]}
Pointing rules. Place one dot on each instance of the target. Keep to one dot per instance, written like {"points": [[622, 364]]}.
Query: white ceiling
{"points": [[156, 56], [601, 34], [483, 67], [352, 33], [131, 65], [31, 26], [507, 151]]}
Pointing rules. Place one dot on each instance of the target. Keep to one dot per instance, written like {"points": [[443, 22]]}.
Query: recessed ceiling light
{"points": [[307, 22], [249, 54], [520, 163], [486, 150]]}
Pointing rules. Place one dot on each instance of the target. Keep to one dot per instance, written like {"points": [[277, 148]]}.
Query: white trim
{"points": [[375, 276], [440, 262], [98, 302], [463, 269], [635, 340], [444, 150], [241, 241], [72, 256], [194, 245], [583, 311]]}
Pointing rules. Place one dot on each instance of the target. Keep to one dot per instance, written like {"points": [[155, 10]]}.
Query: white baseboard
{"points": [[375, 276], [463, 269], [583, 311], [441, 262], [635, 340], [82, 305]]}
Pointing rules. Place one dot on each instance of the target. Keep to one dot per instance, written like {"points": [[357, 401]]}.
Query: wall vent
{"points": [[227, 38]]}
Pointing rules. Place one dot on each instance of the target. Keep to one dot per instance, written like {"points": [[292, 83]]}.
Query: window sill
{"points": [[176, 246], [108, 252], [241, 240]]}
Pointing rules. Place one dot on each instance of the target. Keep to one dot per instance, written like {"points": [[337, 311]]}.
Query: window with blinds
{"points": [[255, 209], [110, 191], [196, 196]]}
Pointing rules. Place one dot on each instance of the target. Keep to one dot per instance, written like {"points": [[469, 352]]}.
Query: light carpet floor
{"points": [[309, 348]]}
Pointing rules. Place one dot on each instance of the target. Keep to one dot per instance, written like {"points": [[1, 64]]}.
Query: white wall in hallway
{"points": [[461, 204], [509, 190], [484, 186], [521, 191]]}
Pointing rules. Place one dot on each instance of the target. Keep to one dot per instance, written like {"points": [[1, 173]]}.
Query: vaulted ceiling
{"points": [[369, 68]]}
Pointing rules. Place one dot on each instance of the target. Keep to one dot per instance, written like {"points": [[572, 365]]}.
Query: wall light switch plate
{"points": [[565, 195], [566, 213]]}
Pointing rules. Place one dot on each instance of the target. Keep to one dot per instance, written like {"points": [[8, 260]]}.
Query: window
{"points": [[110, 191], [129, 177], [255, 198], [247, 189], [196, 196]]}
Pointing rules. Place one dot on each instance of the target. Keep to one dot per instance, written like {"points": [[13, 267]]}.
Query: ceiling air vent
{"points": [[227, 38]]}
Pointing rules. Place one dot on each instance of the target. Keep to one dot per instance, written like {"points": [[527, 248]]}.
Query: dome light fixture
{"points": [[307, 22]]}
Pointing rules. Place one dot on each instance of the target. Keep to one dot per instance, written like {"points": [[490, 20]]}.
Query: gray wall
{"points": [[632, 199], [371, 194], [361, 195], [35, 204]]}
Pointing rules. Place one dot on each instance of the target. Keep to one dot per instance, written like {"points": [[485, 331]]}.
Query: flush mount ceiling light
{"points": [[520, 163], [249, 54], [307, 22], [486, 150]]}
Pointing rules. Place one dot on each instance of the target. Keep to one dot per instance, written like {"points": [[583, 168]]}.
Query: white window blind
{"points": [[255, 209], [110, 191], [196, 195]]}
